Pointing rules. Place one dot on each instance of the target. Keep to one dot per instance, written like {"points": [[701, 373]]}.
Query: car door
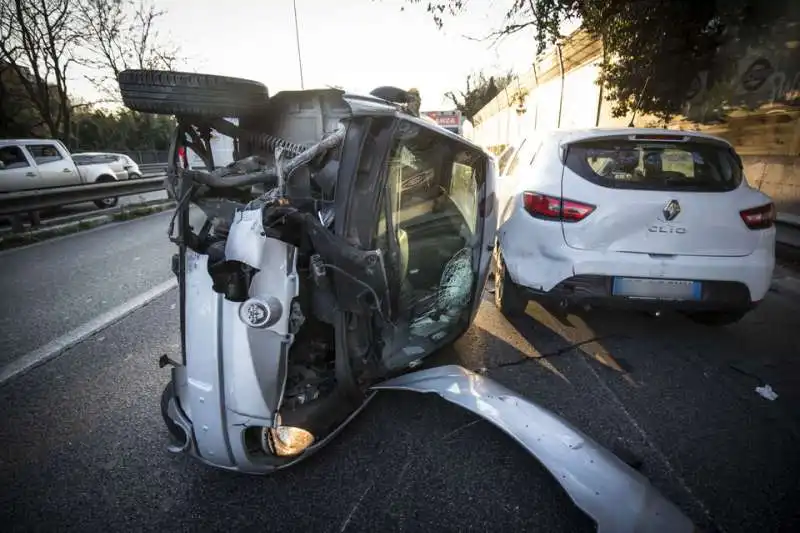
{"points": [[55, 168], [18, 172], [513, 172], [505, 158], [439, 217], [117, 164], [505, 180]]}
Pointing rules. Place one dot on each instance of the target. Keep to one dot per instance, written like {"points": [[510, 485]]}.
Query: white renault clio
{"points": [[645, 218]]}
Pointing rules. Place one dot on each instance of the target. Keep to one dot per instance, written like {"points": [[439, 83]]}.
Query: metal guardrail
{"points": [[15, 203], [788, 230], [153, 169]]}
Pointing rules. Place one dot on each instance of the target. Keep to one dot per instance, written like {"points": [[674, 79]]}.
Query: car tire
{"points": [[134, 176], [508, 296], [174, 430], [716, 318], [184, 93], [106, 203]]}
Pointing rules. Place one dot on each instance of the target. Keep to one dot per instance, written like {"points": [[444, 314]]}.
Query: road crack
{"points": [[352, 512], [549, 355]]}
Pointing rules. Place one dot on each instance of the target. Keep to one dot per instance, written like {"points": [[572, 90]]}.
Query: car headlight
{"points": [[285, 441]]}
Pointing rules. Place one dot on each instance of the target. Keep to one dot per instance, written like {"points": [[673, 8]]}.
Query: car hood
{"points": [[616, 496]]}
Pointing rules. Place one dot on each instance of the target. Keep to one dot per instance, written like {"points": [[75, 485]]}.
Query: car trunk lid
{"points": [[666, 194]]}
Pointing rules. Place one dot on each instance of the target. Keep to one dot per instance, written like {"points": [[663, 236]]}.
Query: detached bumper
{"points": [[618, 498]]}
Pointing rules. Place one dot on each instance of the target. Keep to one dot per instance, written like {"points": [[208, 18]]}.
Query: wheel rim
{"points": [[109, 202]]}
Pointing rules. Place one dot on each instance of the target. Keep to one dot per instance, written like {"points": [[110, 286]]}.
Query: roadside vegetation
{"points": [[41, 41], [655, 49]]}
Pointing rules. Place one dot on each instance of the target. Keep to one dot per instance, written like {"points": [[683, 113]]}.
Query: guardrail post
{"points": [[17, 226], [36, 220]]}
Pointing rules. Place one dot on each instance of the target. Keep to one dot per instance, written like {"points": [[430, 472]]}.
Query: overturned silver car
{"points": [[347, 240]]}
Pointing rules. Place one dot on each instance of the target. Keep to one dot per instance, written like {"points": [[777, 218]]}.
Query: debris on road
{"points": [[767, 392]]}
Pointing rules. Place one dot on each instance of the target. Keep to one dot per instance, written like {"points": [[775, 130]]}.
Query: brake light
{"points": [[761, 217], [553, 208], [657, 137]]}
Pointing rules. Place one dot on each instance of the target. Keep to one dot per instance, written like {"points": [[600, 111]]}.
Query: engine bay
{"points": [[265, 225]]}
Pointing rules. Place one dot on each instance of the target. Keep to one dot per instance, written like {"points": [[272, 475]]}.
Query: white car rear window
{"points": [[683, 166]]}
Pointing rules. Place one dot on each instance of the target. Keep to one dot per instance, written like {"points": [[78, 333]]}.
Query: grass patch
{"points": [[14, 240], [136, 212]]}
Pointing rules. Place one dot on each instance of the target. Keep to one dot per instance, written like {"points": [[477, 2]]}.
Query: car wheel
{"points": [[107, 203], [174, 430], [716, 318], [134, 176], [185, 93], [508, 295]]}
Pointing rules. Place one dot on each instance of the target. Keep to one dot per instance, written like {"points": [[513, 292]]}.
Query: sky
{"points": [[356, 44]]}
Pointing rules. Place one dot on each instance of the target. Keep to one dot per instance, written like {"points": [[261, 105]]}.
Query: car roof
{"points": [[566, 136]]}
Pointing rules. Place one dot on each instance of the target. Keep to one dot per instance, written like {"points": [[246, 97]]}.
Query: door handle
{"points": [[67, 170], [31, 174]]}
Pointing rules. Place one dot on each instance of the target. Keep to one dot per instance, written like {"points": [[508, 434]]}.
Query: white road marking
{"points": [[55, 348]]}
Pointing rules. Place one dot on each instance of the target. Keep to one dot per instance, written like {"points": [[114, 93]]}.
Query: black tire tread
{"points": [[186, 93], [508, 299]]}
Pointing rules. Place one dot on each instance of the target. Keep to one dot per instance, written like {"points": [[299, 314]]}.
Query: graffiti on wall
{"points": [[759, 80]]}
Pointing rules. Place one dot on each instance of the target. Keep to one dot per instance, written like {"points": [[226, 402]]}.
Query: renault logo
{"points": [[671, 210]]}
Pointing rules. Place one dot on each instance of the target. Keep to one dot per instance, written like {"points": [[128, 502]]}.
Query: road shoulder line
{"points": [[58, 346]]}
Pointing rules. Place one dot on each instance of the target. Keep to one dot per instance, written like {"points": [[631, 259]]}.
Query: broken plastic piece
{"points": [[767, 392]]}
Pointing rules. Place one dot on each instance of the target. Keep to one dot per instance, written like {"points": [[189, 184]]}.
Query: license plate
{"points": [[657, 289]]}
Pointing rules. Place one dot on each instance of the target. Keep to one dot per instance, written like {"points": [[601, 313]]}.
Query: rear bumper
{"points": [[546, 268], [597, 291]]}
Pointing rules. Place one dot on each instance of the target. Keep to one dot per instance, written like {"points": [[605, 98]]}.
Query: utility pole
{"points": [[297, 38]]}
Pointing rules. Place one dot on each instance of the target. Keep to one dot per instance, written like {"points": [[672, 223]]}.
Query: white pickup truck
{"points": [[31, 164]]}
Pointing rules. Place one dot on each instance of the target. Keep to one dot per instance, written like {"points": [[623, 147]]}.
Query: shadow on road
{"points": [[679, 395]]}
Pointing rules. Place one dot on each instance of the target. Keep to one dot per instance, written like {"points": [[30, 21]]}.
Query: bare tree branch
{"points": [[123, 34], [37, 38]]}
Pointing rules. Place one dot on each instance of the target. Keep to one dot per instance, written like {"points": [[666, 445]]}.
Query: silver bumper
{"points": [[617, 497]]}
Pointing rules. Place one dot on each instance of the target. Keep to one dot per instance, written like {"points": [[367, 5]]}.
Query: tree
{"points": [[40, 40], [654, 48], [37, 38], [18, 118], [99, 130], [123, 34], [479, 91]]}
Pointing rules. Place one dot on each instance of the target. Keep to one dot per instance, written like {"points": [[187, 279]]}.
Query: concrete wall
{"points": [[561, 91]]}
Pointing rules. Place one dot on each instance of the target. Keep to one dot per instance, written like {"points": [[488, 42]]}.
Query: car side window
{"points": [[512, 166], [44, 153], [512, 163], [13, 157], [505, 157], [537, 145]]}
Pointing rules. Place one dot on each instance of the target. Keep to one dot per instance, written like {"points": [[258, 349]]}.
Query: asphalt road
{"points": [[54, 286], [82, 445]]}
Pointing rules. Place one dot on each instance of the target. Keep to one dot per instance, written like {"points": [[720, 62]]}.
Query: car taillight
{"points": [[553, 208], [761, 217]]}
